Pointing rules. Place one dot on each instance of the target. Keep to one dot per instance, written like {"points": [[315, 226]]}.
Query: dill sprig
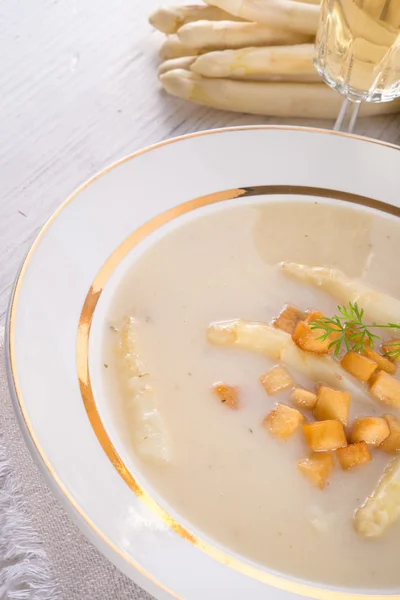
{"points": [[349, 330], [393, 354]]}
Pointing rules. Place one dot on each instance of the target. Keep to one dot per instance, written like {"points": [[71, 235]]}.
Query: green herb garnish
{"points": [[351, 331], [395, 353]]}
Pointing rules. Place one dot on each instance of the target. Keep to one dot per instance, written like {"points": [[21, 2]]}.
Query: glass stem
{"points": [[356, 110], [355, 107]]}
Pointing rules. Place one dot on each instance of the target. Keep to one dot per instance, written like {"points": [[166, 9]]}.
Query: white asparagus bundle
{"points": [[365, 51], [278, 345], [378, 307], [267, 80], [285, 14], [364, 26], [173, 48], [182, 62], [382, 509], [168, 19], [393, 13], [227, 34], [148, 430], [312, 100], [278, 63], [290, 63]]}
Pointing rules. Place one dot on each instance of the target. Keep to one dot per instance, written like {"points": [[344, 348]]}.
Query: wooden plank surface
{"points": [[78, 90]]}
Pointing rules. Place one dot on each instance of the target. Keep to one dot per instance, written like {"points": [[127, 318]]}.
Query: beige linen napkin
{"points": [[43, 556]]}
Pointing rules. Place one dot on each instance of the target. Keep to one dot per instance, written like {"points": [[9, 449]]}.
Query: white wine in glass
{"points": [[357, 48]]}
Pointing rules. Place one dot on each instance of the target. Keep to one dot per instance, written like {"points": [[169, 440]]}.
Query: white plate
{"points": [[65, 283]]}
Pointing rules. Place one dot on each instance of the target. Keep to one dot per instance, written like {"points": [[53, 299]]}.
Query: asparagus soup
{"points": [[250, 355]]}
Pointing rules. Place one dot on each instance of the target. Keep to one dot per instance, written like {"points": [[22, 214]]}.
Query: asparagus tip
{"points": [[222, 334], [178, 82]]}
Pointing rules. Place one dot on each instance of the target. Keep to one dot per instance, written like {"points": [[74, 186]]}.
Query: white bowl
{"points": [[55, 330]]}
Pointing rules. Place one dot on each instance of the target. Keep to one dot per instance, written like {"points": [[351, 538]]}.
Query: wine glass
{"points": [[357, 52]]}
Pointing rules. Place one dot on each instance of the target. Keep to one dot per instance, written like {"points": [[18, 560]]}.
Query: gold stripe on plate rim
{"points": [[92, 298]]}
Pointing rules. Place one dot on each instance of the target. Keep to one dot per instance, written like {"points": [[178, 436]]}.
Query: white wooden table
{"points": [[78, 90]]}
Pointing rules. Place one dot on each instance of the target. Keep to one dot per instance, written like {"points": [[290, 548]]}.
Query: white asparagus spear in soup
{"points": [[169, 19], [290, 63], [226, 34], [314, 100], [173, 48], [148, 429], [249, 335], [182, 62], [382, 508], [285, 14], [278, 345], [378, 307]]}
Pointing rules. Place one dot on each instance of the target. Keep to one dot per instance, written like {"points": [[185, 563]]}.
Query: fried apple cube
{"points": [[306, 339], [383, 363], [325, 435], [316, 315], [317, 468], [360, 366], [390, 346], [313, 315], [371, 430], [386, 389], [275, 380], [332, 404], [303, 398], [283, 421], [392, 442], [350, 331], [288, 318], [353, 455], [228, 394]]}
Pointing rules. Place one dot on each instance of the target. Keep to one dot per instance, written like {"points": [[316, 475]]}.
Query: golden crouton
{"points": [[306, 339], [386, 389], [353, 455], [275, 380], [227, 394], [392, 442], [303, 398], [288, 319], [317, 468], [325, 435], [383, 363], [332, 404], [360, 366], [283, 421], [371, 430], [391, 346]]}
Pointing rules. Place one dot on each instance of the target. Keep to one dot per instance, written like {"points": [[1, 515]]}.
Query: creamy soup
{"points": [[224, 472]]}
